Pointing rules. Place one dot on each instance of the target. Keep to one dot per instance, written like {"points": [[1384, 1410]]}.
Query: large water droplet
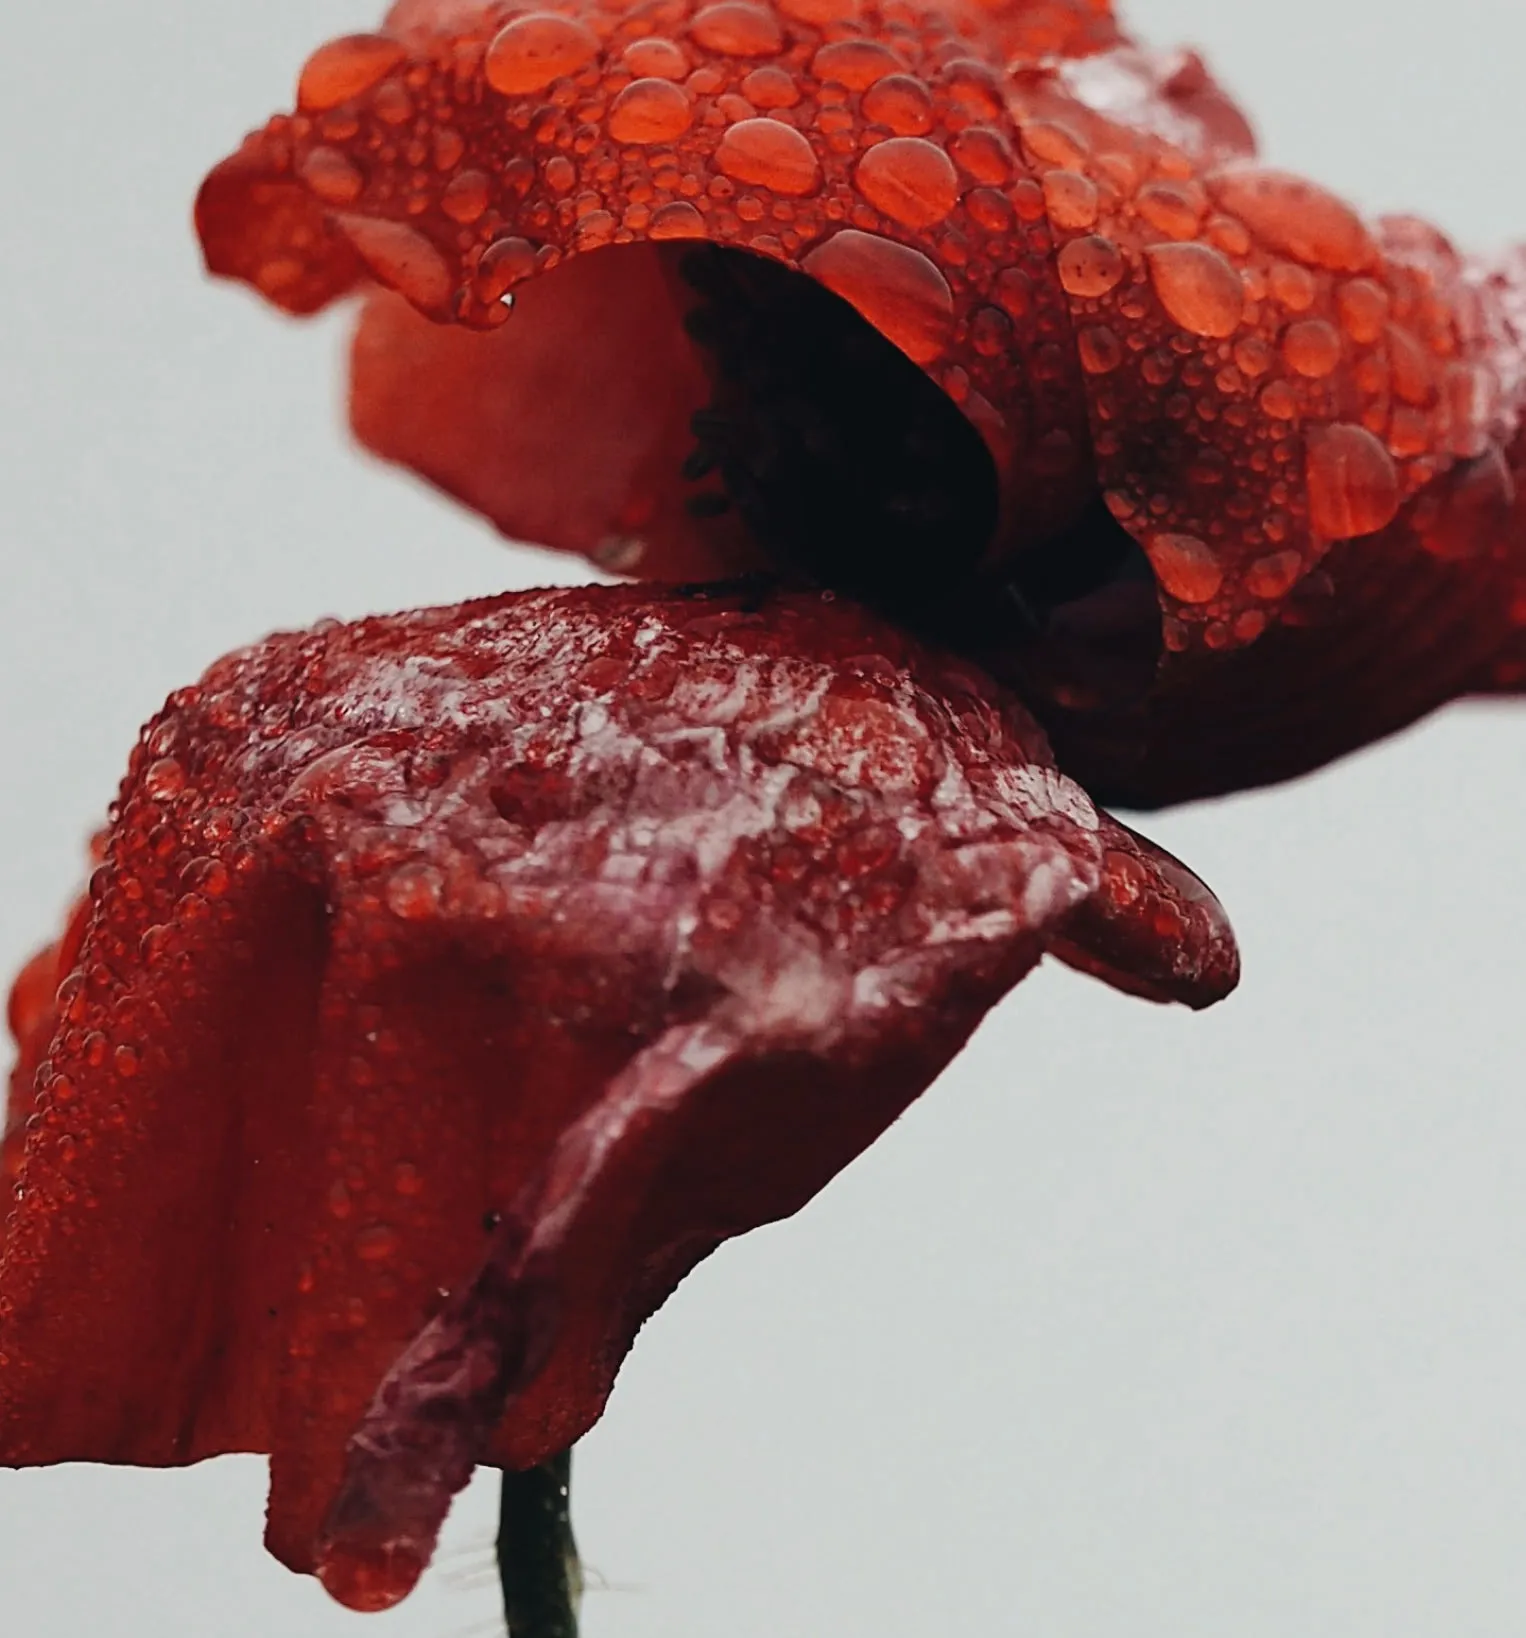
{"points": [[1185, 566], [650, 111], [897, 289], [1090, 267], [655, 59], [1353, 483], [736, 29], [857, 64], [344, 68], [529, 53], [679, 220], [1312, 347], [331, 176], [1198, 287], [1296, 218], [1173, 208], [769, 155], [901, 102], [910, 180]]}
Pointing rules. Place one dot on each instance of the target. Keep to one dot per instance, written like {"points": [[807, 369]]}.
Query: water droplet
{"points": [[679, 220], [1070, 199], [1101, 351], [1279, 401], [984, 153], [1312, 348], [377, 1243], [1412, 371], [768, 154], [901, 102], [466, 196], [344, 68], [413, 891], [125, 1062], [447, 148], [164, 779], [403, 258], [529, 53], [368, 1578], [1173, 208], [910, 180], [1090, 267], [330, 176], [770, 87], [897, 289], [407, 1178], [655, 59], [650, 111], [1296, 218], [736, 29], [1273, 576], [1185, 566], [339, 1202], [1363, 307], [504, 263], [1198, 287], [1353, 483], [857, 64], [1053, 143], [1252, 356]]}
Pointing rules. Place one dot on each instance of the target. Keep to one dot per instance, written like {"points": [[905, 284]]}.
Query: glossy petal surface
{"points": [[1306, 420], [627, 916]]}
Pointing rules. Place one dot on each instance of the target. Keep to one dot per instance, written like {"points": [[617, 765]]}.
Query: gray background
{"points": [[1140, 1323]]}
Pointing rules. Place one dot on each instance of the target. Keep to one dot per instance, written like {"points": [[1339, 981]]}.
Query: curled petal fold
{"points": [[1305, 421], [453, 982]]}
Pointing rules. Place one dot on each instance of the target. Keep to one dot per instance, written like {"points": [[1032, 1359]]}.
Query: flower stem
{"points": [[538, 1563]]}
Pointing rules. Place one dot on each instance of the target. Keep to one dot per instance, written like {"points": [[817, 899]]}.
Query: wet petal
{"points": [[633, 916]]}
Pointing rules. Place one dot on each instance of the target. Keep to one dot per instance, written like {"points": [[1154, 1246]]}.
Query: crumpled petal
{"points": [[618, 918]]}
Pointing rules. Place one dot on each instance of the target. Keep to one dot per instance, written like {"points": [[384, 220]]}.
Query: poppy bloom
{"points": [[1147, 567]]}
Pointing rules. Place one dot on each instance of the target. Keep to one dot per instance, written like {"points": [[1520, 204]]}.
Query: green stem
{"points": [[537, 1556]]}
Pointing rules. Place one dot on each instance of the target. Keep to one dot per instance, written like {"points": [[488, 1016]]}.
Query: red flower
{"points": [[630, 916], [451, 984], [1306, 423]]}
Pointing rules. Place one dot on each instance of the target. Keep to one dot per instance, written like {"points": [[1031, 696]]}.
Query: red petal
{"points": [[633, 914]]}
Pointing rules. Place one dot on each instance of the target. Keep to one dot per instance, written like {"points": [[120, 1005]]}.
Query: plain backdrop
{"points": [[1140, 1324]]}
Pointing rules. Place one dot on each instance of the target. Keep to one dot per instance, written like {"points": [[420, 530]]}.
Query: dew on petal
{"points": [[1185, 566], [902, 103], [1363, 307], [345, 68], [1296, 218], [857, 64], [1070, 199], [1412, 370], [1274, 575], [1312, 348], [330, 176], [1173, 208], [536, 49], [768, 154], [504, 263], [1353, 483], [466, 196], [1090, 267], [1198, 287], [771, 87], [910, 180], [679, 220], [650, 111], [736, 29], [897, 289], [655, 59]]}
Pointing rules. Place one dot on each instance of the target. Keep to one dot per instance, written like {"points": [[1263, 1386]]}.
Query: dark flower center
{"points": [[852, 469]]}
